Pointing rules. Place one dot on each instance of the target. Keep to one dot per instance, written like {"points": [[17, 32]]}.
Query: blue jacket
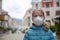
{"points": [[38, 33]]}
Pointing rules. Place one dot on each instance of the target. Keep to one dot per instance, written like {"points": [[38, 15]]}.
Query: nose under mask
{"points": [[38, 20]]}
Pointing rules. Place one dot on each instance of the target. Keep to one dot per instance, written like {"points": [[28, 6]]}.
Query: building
{"points": [[16, 24], [52, 12], [36, 4], [27, 19], [0, 6], [51, 9], [3, 15], [5, 20]]}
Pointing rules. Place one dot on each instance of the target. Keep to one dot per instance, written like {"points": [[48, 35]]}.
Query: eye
{"points": [[40, 15], [35, 16]]}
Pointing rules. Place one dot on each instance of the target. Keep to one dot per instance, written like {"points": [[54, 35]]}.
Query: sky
{"points": [[16, 8]]}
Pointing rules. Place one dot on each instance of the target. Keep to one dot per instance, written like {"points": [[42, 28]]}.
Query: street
{"points": [[15, 36]]}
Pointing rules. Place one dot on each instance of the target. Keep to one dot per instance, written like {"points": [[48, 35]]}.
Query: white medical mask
{"points": [[38, 20]]}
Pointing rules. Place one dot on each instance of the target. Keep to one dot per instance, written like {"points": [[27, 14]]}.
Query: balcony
{"points": [[3, 17], [36, 0], [47, 0]]}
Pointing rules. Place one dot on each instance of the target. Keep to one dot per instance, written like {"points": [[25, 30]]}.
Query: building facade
{"points": [[51, 9], [27, 19], [16, 24], [5, 20], [0, 6]]}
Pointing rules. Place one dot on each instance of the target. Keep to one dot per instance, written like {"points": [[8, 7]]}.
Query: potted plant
{"points": [[53, 29]]}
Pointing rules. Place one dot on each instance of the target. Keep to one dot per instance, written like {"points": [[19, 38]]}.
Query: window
{"points": [[47, 4], [28, 24], [28, 21], [57, 12], [57, 4], [48, 21], [47, 13], [29, 11], [36, 5]]}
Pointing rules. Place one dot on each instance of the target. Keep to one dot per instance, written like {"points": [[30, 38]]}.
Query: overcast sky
{"points": [[16, 8]]}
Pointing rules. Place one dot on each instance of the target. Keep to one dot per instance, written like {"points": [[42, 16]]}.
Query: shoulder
{"points": [[50, 32], [51, 35], [29, 31]]}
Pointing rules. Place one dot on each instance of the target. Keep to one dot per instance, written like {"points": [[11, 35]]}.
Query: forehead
{"points": [[37, 12]]}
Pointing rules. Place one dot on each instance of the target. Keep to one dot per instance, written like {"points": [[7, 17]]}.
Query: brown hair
{"points": [[38, 10], [45, 26]]}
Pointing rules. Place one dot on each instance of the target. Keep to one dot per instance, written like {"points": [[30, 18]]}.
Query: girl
{"points": [[39, 30]]}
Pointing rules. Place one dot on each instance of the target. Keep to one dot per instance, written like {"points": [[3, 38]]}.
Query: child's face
{"points": [[37, 13]]}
